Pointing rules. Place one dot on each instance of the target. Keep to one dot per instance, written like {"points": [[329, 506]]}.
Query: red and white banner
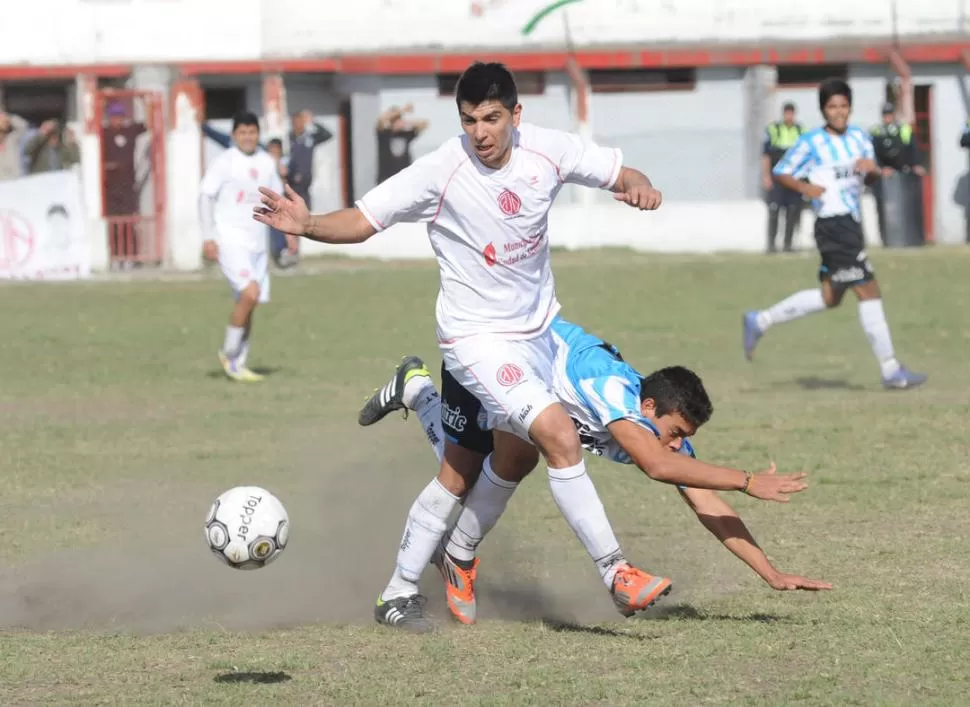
{"points": [[42, 228]]}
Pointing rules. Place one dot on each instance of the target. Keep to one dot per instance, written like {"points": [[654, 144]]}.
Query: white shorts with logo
{"points": [[241, 266], [511, 379]]}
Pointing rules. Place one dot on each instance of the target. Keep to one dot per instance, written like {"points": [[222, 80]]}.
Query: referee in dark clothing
{"points": [[779, 136]]}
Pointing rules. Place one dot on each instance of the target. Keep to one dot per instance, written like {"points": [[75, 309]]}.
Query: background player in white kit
{"points": [[229, 190], [486, 197]]}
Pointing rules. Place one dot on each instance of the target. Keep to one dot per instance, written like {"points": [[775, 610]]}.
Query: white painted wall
{"points": [[105, 31], [91, 31]]}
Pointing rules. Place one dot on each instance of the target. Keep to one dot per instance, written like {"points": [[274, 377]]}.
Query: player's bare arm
{"points": [[726, 525], [656, 461], [289, 213], [634, 188], [812, 191], [868, 169]]}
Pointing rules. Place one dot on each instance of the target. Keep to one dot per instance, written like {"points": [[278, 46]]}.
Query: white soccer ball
{"points": [[247, 527]]}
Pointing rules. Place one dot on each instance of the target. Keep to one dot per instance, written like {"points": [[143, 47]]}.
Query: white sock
{"points": [[580, 505], [233, 340], [800, 304], [484, 505], [414, 389], [243, 353], [428, 408], [426, 524], [874, 324]]}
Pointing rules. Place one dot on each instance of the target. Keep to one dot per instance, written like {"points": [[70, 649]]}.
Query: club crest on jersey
{"points": [[509, 202], [490, 255], [509, 374]]}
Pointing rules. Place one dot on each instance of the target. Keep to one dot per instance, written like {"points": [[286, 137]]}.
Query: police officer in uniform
{"points": [[893, 143], [896, 151], [779, 136]]}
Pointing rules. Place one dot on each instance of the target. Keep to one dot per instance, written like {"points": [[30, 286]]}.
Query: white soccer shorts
{"points": [[242, 266], [511, 379]]}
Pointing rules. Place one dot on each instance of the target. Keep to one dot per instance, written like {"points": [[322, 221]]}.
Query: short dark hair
{"points": [[483, 82], [788, 106], [244, 117], [676, 389], [275, 142], [57, 210], [833, 87]]}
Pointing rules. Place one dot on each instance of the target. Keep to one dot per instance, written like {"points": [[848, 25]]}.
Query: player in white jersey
{"points": [[229, 189], [621, 415], [486, 197], [837, 160]]}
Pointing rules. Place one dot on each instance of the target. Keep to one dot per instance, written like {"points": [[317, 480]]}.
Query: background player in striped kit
{"points": [[837, 160]]}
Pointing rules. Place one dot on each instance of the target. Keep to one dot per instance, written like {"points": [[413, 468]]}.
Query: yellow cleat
{"points": [[238, 373]]}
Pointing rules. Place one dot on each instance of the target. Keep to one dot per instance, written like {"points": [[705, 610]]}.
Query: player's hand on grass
{"points": [[789, 582], [210, 250], [641, 196], [287, 213], [769, 486]]}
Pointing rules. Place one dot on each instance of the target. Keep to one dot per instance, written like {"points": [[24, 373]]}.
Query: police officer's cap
{"points": [[788, 106], [888, 108]]}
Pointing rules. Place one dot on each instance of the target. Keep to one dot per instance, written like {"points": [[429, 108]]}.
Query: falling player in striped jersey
{"points": [[837, 160], [620, 415]]}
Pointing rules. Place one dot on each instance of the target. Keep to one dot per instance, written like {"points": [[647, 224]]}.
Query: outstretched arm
{"points": [[726, 525], [289, 213], [657, 462], [634, 188]]}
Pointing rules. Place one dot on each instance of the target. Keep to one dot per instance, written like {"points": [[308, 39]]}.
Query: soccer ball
{"points": [[247, 527]]}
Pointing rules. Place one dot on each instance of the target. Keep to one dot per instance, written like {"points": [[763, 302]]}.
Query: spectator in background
{"points": [[53, 148], [122, 192], [277, 239], [779, 137], [13, 128], [304, 138], [394, 138]]}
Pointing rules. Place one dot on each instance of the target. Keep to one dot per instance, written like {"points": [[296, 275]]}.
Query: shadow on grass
{"points": [[252, 678], [261, 370], [686, 612], [816, 383], [560, 626]]}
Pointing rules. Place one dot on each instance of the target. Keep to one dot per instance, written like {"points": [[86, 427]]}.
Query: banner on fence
{"points": [[42, 228]]}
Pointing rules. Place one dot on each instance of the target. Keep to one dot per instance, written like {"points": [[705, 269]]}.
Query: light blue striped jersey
{"points": [[597, 387], [829, 161]]}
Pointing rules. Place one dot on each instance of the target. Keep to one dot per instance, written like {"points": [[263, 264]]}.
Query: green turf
{"points": [[116, 432]]}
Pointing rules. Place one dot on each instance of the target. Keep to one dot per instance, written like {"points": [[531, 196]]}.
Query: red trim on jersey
{"points": [[608, 184], [547, 159], [374, 221], [441, 200]]}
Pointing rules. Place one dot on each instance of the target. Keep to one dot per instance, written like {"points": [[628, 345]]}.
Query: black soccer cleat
{"points": [[391, 396], [406, 613]]}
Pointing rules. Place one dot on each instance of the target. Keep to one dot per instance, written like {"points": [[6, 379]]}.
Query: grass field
{"points": [[117, 431]]}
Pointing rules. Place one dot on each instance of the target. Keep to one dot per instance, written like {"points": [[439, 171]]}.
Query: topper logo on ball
{"points": [[509, 202]]}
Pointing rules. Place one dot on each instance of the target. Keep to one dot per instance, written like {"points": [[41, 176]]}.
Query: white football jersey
{"points": [[234, 178], [488, 228]]}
